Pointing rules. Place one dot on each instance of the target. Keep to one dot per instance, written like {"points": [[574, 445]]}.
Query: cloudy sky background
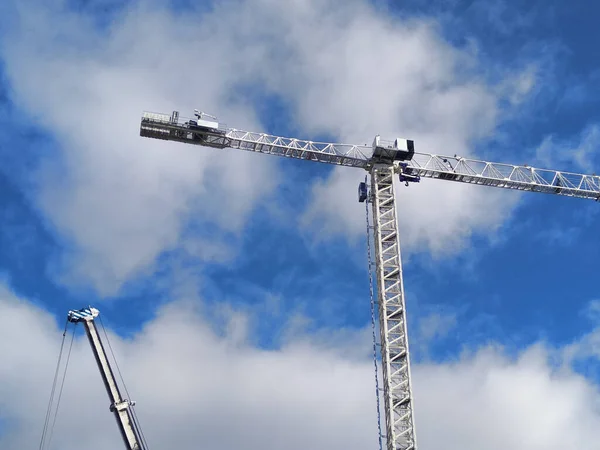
{"points": [[234, 286]]}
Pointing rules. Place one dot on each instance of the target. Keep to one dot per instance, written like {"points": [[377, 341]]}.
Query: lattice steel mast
{"points": [[395, 359], [383, 160]]}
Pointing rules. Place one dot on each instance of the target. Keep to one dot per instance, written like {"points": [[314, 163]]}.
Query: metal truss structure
{"points": [[395, 355], [120, 407], [395, 358], [450, 168]]}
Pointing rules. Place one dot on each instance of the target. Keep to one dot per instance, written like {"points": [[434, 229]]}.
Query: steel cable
{"points": [[62, 385], [136, 424], [49, 410], [370, 267]]}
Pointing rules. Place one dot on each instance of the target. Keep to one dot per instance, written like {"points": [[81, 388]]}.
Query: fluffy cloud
{"points": [[434, 326], [191, 384], [119, 200], [491, 401], [581, 152], [352, 73], [433, 216], [344, 68], [195, 385]]}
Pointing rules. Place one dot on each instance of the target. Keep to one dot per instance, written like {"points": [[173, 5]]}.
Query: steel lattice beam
{"points": [[450, 168], [395, 358], [120, 407], [398, 400]]}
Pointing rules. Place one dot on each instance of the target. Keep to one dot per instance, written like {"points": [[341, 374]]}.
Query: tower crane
{"points": [[121, 407], [383, 160]]}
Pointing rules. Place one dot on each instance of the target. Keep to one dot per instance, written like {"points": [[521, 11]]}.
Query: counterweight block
{"points": [[391, 151]]}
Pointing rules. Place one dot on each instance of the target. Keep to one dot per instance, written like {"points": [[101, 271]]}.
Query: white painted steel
{"points": [[450, 168], [119, 406], [398, 399], [395, 357]]}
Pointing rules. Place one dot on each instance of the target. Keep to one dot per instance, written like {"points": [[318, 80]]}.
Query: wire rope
{"points": [[370, 267], [53, 390], [62, 385], [132, 409]]}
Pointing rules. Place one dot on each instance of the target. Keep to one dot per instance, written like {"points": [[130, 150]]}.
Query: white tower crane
{"points": [[384, 160]]}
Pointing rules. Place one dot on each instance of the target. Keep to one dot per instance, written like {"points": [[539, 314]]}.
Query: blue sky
{"points": [[94, 214], [515, 273]]}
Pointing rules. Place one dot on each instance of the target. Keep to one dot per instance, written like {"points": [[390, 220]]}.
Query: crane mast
{"points": [[383, 160], [119, 406], [395, 359]]}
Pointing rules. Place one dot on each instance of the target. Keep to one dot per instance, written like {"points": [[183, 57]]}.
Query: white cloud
{"points": [[117, 199], [432, 327], [518, 87], [433, 215], [491, 401], [345, 70], [581, 151], [505, 19], [353, 73], [193, 385], [592, 311]]}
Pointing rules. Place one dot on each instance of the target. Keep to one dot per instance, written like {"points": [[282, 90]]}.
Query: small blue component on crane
{"points": [[362, 192], [406, 176], [410, 178]]}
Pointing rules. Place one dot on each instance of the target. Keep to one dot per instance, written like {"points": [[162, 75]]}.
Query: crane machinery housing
{"points": [[382, 161]]}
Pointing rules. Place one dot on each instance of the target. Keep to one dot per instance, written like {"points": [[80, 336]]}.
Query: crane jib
{"points": [[410, 165]]}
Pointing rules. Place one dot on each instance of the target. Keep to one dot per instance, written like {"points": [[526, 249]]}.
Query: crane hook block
{"points": [[362, 192]]}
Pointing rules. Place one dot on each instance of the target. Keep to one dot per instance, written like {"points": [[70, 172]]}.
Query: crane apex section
{"points": [[390, 151], [82, 315], [203, 120]]}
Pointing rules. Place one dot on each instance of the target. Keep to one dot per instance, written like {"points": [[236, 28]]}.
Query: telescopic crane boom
{"points": [[382, 161], [119, 406]]}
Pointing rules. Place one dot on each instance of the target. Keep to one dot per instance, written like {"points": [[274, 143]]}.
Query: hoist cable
{"points": [[139, 427], [49, 410], [133, 413], [62, 385], [373, 321]]}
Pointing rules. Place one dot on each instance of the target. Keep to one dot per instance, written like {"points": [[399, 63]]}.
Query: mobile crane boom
{"points": [[119, 406], [382, 160]]}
